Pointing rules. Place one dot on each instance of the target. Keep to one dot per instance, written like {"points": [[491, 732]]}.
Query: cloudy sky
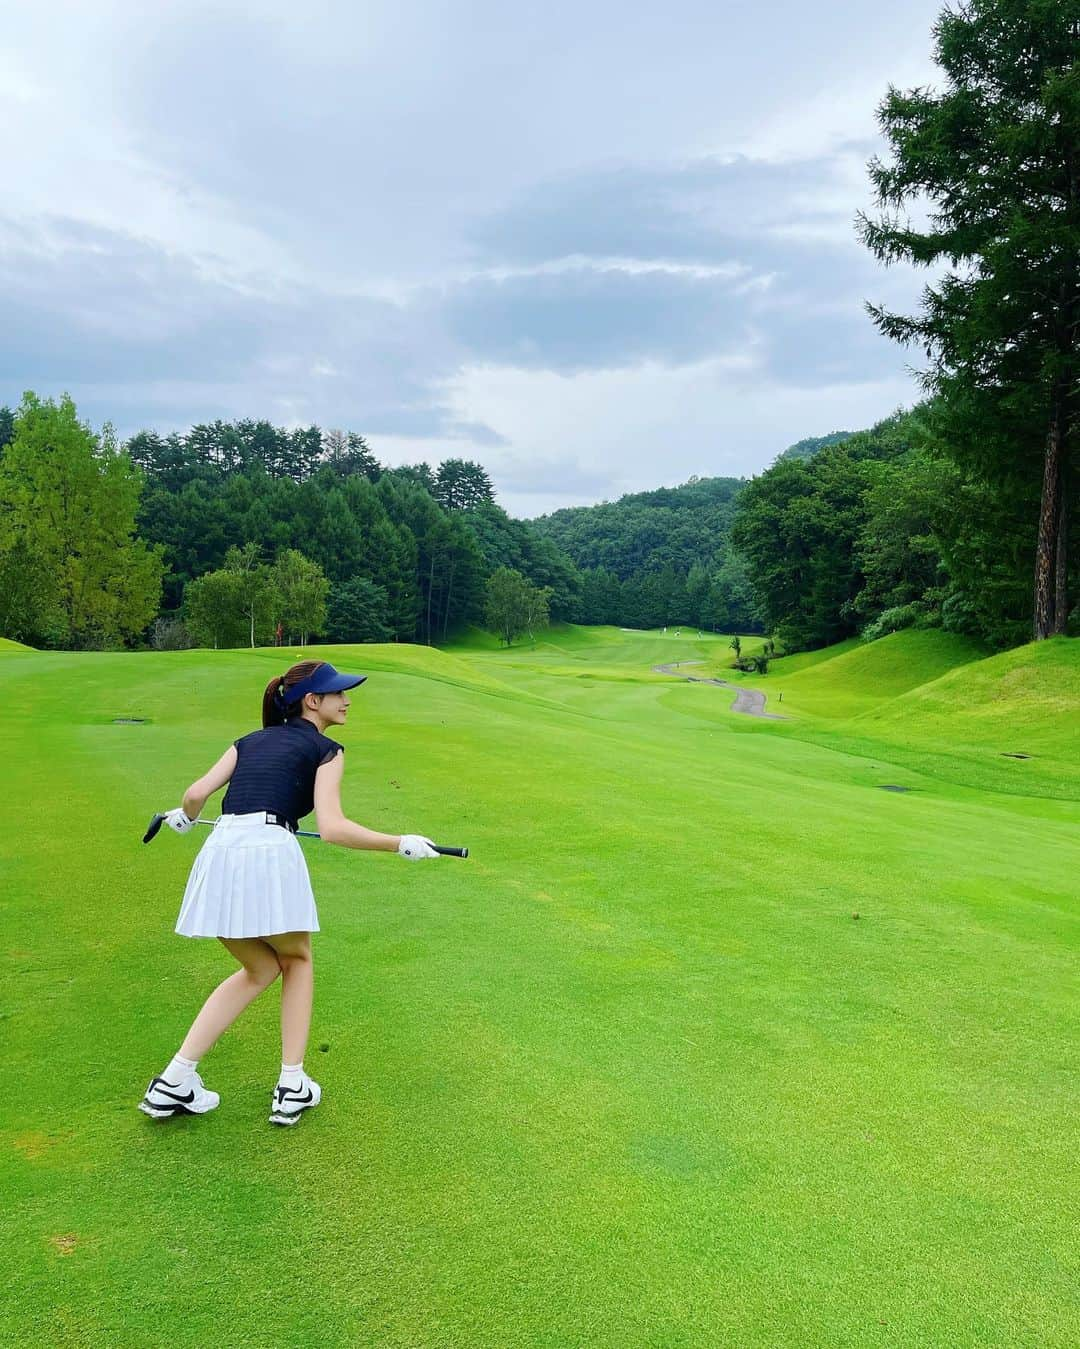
{"points": [[596, 246]]}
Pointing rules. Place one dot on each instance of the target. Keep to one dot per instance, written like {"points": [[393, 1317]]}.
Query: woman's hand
{"points": [[177, 819], [415, 847]]}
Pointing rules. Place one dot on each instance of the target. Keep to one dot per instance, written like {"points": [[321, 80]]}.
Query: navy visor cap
{"points": [[325, 680]]}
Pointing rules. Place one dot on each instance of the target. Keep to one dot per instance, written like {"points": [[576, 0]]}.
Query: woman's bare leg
{"points": [[293, 950], [228, 1000]]}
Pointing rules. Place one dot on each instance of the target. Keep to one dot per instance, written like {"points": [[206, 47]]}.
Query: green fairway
{"points": [[711, 1041]]}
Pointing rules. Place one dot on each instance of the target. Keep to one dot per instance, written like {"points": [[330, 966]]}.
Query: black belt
{"points": [[281, 821]]}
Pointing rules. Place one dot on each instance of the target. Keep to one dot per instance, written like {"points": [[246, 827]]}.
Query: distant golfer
{"points": [[249, 885]]}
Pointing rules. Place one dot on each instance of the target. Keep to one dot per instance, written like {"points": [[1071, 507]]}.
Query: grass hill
{"points": [[858, 676], [942, 704], [7, 645], [1020, 702]]}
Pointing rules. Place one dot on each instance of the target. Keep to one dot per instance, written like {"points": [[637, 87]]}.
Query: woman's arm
{"points": [[197, 794], [333, 826]]}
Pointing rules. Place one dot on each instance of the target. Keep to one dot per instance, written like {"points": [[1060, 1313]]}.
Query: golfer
{"points": [[249, 885]]}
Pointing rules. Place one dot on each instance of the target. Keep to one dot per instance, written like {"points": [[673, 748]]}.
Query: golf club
{"points": [[156, 823]]}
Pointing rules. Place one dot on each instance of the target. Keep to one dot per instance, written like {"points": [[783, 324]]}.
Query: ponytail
{"points": [[275, 706]]}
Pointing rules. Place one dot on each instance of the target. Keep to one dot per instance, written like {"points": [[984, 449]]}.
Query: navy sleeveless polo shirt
{"points": [[275, 770]]}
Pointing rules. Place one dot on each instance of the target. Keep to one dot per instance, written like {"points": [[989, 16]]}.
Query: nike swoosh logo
{"points": [[163, 1091], [180, 1100], [296, 1100]]}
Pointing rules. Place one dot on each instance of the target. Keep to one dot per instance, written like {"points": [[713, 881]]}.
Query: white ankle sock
{"points": [[291, 1074], [180, 1069]]}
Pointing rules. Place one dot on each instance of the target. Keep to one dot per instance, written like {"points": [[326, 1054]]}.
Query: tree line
{"points": [[239, 533], [860, 532], [884, 531], [245, 533]]}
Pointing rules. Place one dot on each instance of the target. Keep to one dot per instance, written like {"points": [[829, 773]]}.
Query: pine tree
{"points": [[462, 485], [996, 156]]}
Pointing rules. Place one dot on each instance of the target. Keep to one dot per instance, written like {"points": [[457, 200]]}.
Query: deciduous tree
{"points": [[302, 589], [68, 501]]}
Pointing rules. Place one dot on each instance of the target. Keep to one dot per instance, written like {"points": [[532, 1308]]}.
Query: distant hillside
{"points": [[648, 530], [806, 449]]}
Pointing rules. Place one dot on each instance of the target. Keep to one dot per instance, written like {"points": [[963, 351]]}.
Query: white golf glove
{"points": [[415, 847], [176, 819]]}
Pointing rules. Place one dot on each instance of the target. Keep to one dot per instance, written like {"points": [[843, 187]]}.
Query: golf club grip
{"points": [[451, 852], [152, 828]]}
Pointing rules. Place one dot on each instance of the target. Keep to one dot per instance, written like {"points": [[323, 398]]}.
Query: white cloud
{"points": [[636, 429], [372, 216], [579, 262]]}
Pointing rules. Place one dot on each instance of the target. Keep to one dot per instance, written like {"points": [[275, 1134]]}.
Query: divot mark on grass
{"points": [[892, 787], [129, 721], [65, 1243], [1006, 755], [32, 1145]]}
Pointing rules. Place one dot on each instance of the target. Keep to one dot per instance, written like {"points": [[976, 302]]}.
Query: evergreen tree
{"points": [[503, 542], [898, 552], [995, 158], [986, 559], [359, 611], [190, 526], [402, 588], [461, 485], [419, 474], [348, 454], [797, 529], [698, 585], [730, 605], [325, 528]]}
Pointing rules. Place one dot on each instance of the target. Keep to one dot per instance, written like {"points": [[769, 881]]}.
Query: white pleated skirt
{"points": [[249, 879]]}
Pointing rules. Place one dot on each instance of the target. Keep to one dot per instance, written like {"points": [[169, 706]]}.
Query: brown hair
{"points": [[274, 709]]}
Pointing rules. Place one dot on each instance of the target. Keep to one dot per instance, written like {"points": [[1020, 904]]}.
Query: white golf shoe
{"points": [[165, 1099], [288, 1103]]}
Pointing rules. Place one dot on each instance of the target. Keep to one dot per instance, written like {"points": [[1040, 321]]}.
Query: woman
{"points": [[249, 885]]}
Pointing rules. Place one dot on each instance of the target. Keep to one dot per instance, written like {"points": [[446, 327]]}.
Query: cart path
{"points": [[749, 701]]}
